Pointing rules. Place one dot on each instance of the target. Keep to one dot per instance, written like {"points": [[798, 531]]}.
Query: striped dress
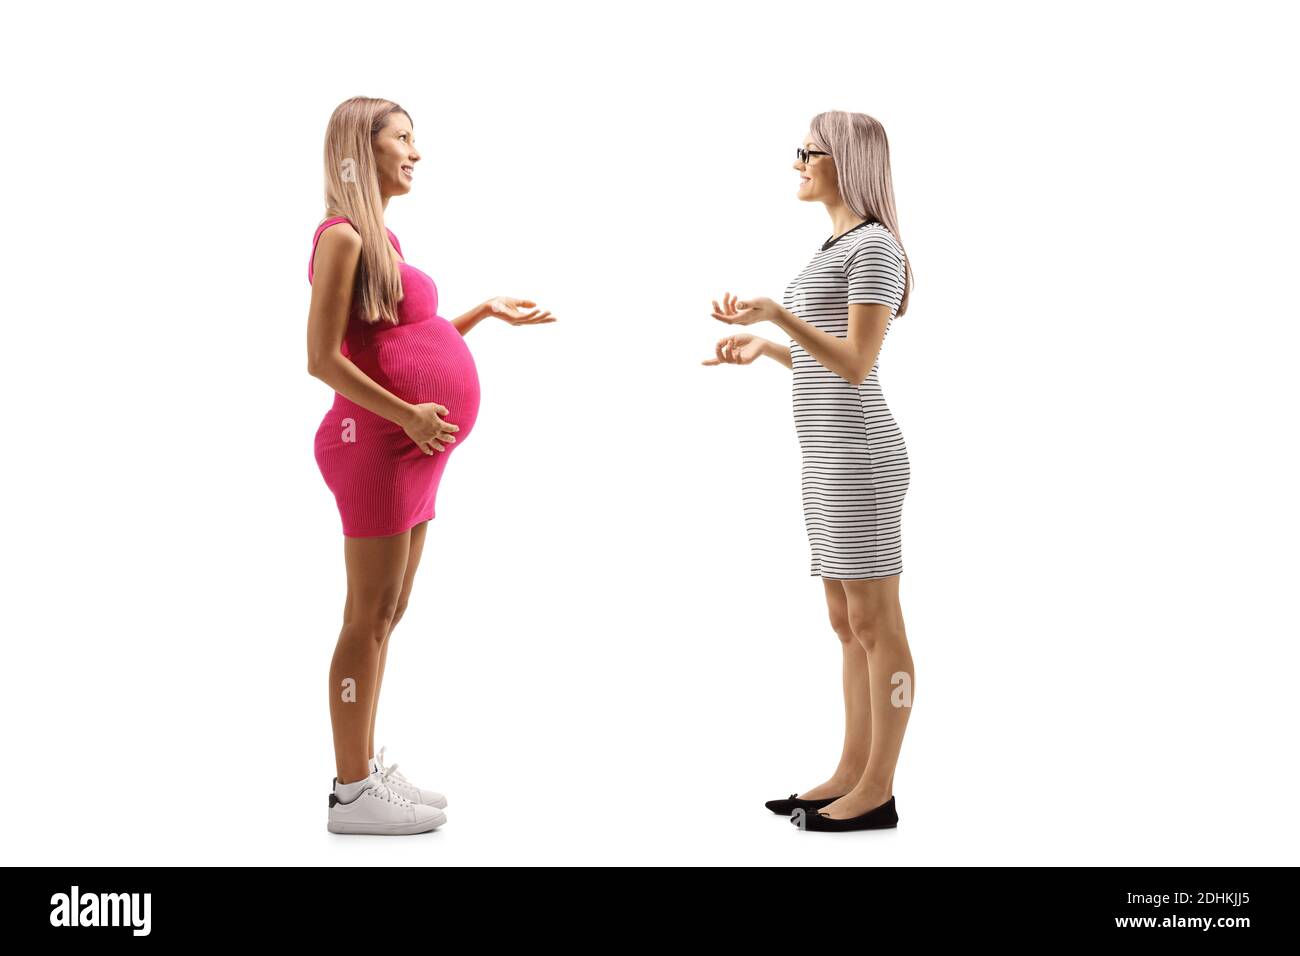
{"points": [[855, 468]]}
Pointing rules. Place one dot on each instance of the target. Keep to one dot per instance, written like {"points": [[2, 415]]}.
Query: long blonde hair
{"points": [[352, 190], [860, 149]]}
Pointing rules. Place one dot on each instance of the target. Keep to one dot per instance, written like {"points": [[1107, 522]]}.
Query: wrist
{"points": [[781, 316]]}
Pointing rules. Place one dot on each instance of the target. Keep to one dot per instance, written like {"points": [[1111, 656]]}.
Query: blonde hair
{"points": [[352, 190], [860, 150]]}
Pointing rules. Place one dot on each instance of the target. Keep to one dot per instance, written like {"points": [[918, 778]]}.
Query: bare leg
{"points": [[857, 700], [876, 618], [412, 563], [376, 568]]}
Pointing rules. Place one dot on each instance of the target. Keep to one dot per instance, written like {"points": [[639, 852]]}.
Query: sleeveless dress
{"points": [[855, 469], [382, 482]]}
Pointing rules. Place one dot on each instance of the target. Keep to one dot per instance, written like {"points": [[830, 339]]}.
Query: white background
{"points": [[615, 652]]}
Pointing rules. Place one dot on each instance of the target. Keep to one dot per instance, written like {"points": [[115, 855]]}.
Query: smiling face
{"points": [[395, 155], [817, 179]]}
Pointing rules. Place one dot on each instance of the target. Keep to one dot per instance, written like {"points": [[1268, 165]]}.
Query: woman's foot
{"points": [[398, 783], [370, 806], [788, 805], [881, 817], [837, 786], [819, 796], [855, 803]]}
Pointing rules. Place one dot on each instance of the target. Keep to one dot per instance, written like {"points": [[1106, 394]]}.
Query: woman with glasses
{"points": [[406, 396], [836, 314]]}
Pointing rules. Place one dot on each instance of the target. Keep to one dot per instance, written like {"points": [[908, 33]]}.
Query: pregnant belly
{"points": [[426, 362]]}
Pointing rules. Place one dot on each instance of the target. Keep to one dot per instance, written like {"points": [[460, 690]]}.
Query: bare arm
{"points": [[338, 253], [851, 358], [779, 352], [470, 319]]}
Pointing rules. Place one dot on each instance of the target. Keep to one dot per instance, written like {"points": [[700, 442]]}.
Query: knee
{"points": [[870, 628], [398, 611], [372, 621], [842, 628]]}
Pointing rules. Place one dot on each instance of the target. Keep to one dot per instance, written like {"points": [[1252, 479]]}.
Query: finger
{"points": [[449, 427], [441, 409], [709, 362], [525, 303]]}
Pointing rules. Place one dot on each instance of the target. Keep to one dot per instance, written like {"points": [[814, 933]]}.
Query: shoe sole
{"points": [[385, 829], [880, 826], [790, 812]]}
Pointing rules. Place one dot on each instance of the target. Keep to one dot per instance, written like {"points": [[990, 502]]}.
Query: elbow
{"points": [[315, 364]]}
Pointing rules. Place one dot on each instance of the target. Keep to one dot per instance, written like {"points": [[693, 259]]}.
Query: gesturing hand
{"points": [[736, 311], [737, 350], [429, 431], [512, 310]]}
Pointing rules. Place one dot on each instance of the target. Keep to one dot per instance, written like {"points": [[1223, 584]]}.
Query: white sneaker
{"points": [[377, 809], [399, 784]]}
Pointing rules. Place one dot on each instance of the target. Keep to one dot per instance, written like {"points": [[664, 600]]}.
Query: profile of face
{"points": [[395, 155], [817, 179]]}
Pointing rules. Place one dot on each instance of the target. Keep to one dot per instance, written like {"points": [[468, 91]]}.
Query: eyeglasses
{"points": [[803, 154]]}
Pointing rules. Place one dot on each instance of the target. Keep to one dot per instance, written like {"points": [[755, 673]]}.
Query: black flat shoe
{"points": [[786, 807], [878, 818]]}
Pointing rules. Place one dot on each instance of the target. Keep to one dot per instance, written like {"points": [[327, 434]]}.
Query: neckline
{"points": [[834, 239]]}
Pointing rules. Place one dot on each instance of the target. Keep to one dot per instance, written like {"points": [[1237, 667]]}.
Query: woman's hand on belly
{"points": [[424, 427]]}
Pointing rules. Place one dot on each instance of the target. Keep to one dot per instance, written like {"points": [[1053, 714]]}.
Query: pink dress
{"points": [[383, 483]]}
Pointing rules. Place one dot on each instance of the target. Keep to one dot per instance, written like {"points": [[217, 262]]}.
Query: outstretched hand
{"points": [[516, 311], [736, 311], [737, 350]]}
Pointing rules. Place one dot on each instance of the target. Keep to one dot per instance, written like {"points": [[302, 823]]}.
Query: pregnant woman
{"points": [[837, 312], [406, 396]]}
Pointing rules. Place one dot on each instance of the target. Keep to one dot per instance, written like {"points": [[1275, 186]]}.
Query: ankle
{"points": [[880, 792], [846, 780]]}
